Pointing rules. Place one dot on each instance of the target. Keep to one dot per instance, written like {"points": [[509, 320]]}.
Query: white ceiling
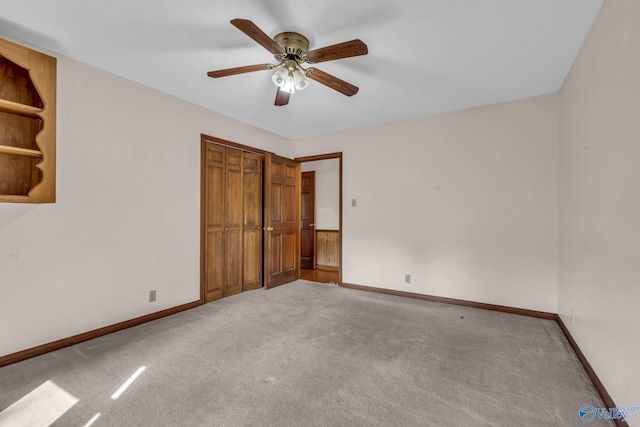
{"points": [[425, 56]]}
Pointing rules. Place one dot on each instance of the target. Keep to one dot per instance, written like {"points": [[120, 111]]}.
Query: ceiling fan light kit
{"points": [[290, 77], [290, 50]]}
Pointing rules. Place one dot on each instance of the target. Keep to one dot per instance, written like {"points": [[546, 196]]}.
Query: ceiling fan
{"points": [[291, 50]]}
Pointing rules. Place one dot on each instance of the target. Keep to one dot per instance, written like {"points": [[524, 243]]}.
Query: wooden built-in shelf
{"points": [[16, 151], [27, 125], [20, 109]]}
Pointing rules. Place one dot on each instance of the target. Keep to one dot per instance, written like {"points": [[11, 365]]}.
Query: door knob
{"points": [[269, 228], [311, 225]]}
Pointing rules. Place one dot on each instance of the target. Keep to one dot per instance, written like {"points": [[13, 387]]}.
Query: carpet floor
{"points": [[307, 354]]}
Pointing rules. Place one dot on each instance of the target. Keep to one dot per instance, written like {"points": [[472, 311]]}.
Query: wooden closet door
{"points": [[252, 227], [233, 230], [282, 220], [232, 221], [214, 221]]}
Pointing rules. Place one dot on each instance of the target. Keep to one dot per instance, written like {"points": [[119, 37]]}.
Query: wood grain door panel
{"points": [[233, 262], [290, 206], [282, 220], [233, 221], [215, 187], [289, 252], [252, 223], [214, 265], [275, 259], [252, 266], [214, 221], [276, 203]]}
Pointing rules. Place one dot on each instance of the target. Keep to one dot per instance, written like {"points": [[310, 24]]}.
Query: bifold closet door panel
{"points": [[233, 222], [233, 246], [215, 222], [252, 224]]}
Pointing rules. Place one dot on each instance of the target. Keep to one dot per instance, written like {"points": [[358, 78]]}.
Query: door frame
{"points": [[329, 156], [312, 226]]}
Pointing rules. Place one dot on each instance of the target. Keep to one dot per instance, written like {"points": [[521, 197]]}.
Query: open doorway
{"points": [[321, 221]]}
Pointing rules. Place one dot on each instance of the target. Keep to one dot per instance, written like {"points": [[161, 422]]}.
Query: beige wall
{"points": [[600, 200], [465, 202], [127, 217]]}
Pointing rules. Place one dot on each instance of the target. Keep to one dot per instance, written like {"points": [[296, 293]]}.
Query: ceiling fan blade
{"points": [[282, 98], [238, 70], [337, 51], [252, 30], [332, 81]]}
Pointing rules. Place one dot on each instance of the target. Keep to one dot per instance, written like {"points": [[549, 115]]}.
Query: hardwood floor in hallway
{"points": [[321, 276]]}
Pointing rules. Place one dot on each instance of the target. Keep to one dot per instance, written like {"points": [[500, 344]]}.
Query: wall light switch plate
{"points": [[152, 296], [353, 203]]}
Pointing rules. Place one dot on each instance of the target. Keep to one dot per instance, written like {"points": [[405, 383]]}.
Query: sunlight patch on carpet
{"points": [[41, 407], [92, 420], [127, 383]]}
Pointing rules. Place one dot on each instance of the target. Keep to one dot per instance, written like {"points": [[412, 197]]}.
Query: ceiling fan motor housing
{"points": [[293, 44]]}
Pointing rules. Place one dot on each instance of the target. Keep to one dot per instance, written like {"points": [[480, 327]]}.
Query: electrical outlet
{"points": [[407, 278], [152, 296], [571, 314]]}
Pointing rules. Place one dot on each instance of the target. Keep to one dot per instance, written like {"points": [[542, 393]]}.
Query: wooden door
{"points": [[214, 222], [234, 221], [252, 227], [308, 214], [282, 220]]}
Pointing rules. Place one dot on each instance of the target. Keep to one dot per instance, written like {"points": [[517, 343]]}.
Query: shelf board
{"points": [[16, 151], [19, 109]]}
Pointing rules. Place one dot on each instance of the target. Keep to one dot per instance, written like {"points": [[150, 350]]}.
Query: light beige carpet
{"points": [[308, 354]]}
